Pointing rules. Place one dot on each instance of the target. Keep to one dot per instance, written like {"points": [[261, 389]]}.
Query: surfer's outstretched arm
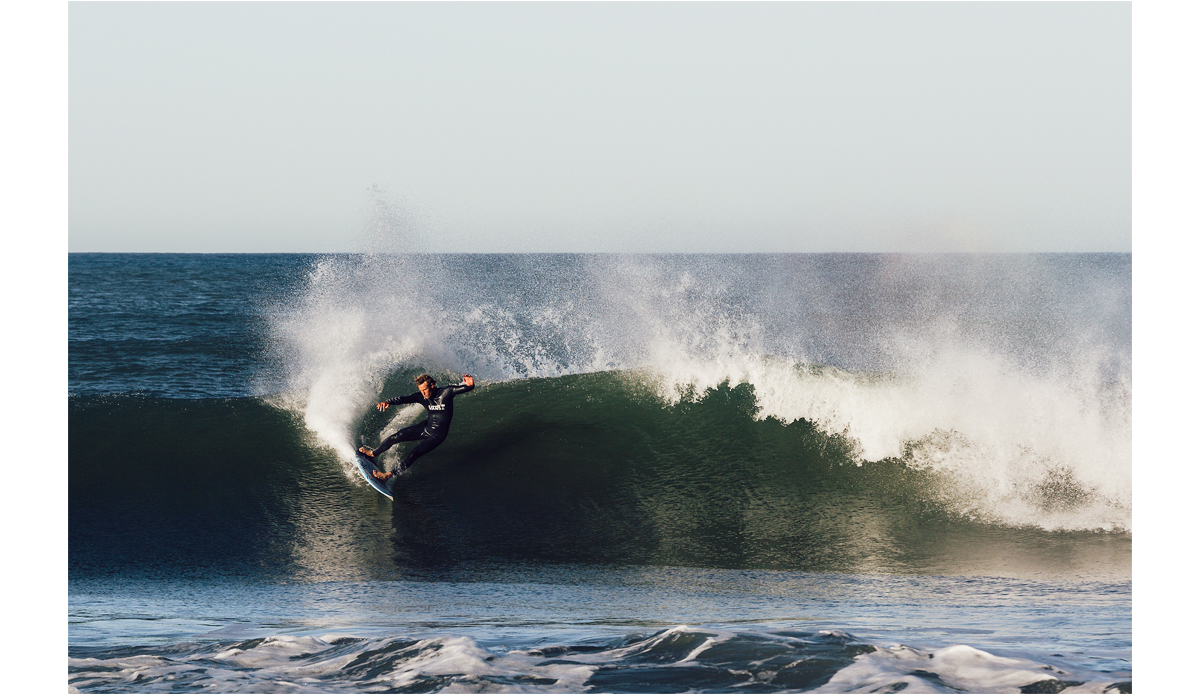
{"points": [[468, 384], [410, 398]]}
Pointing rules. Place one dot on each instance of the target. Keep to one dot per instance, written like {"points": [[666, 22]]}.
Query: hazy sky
{"points": [[601, 127]]}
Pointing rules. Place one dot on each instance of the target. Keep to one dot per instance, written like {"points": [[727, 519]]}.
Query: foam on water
{"points": [[330, 663], [959, 668], [1020, 407], [696, 659]]}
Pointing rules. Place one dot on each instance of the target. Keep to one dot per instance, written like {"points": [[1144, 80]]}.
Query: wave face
{"points": [[823, 413], [579, 468]]}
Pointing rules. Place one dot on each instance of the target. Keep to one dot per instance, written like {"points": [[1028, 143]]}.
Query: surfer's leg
{"points": [[426, 445], [407, 434]]}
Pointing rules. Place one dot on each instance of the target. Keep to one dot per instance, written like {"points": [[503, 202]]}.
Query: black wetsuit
{"points": [[430, 432]]}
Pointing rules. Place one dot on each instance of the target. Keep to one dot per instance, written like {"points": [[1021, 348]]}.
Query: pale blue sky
{"points": [[500, 127]]}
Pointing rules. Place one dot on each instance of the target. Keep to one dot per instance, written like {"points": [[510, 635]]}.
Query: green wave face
{"points": [[591, 468]]}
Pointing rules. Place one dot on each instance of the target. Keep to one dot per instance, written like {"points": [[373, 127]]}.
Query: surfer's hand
{"points": [[468, 380], [382, 406]]}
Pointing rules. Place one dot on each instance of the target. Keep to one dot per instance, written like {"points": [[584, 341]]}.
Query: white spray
{"points": [[1027, 425]]}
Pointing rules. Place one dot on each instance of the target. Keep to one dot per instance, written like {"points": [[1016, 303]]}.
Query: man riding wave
{"points": [[429, 433]]}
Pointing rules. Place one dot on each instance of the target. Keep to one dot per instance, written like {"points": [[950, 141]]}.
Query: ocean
{"points": [[677, 473]]}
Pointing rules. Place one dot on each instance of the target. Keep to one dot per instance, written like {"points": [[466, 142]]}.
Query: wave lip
{"points": [[677, 659]]}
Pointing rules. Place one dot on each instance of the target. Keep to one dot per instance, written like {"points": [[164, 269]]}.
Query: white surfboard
{"points": [[365, 467]]}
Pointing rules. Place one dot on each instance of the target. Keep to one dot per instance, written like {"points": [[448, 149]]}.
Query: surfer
{"points": [[429, 433]]}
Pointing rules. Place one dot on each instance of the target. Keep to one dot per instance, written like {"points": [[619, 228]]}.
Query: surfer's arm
{"points": [[411, 398], [467, 385]]}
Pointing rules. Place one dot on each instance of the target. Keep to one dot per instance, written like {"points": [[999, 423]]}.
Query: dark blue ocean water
{"points": [[178, 325], [713, 473]]}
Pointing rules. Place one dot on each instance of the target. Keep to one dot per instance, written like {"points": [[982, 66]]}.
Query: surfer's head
{"points": [[425, 384]]}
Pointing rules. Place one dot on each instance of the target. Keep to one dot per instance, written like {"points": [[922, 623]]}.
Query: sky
{"points": [[600, 127]]}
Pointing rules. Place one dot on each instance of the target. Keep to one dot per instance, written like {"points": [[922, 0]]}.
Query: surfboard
{"points": [[365, 466]]}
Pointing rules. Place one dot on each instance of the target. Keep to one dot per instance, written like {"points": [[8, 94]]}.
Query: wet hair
{"points": [[425, 378]]}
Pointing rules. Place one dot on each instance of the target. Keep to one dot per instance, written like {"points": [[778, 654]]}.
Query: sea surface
{"points": [[677, 473]]}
